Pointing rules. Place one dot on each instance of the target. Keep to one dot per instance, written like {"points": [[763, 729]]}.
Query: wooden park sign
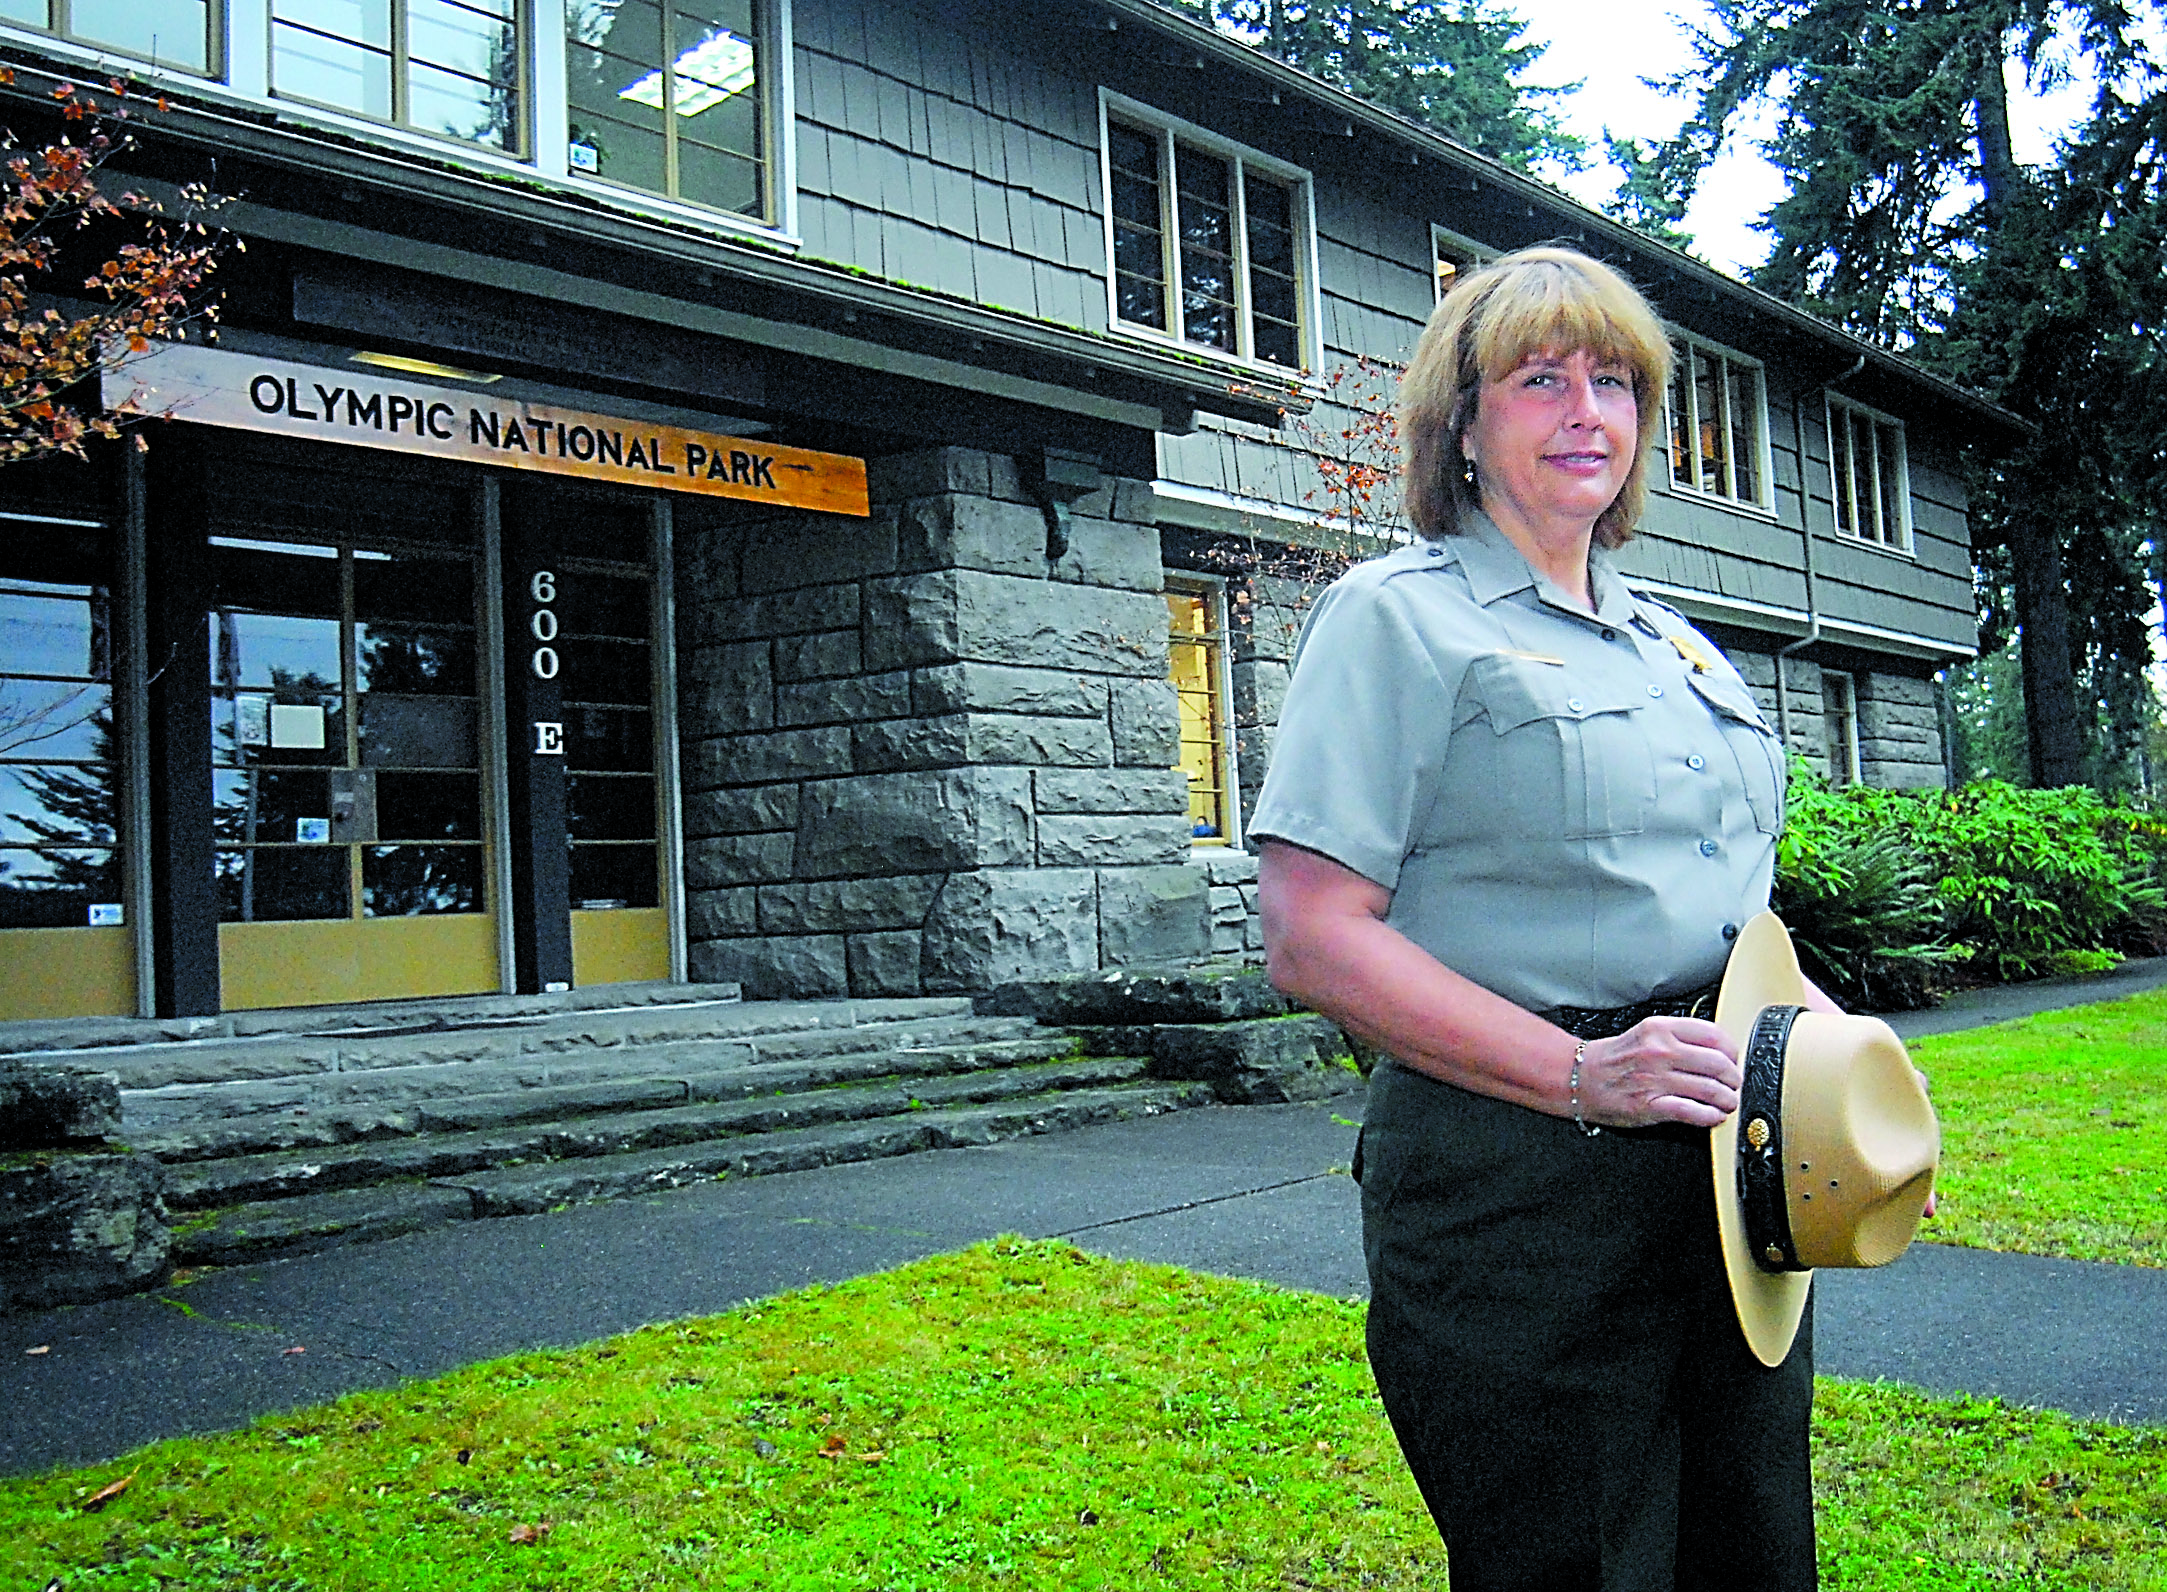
{"points": [[183, 381]]}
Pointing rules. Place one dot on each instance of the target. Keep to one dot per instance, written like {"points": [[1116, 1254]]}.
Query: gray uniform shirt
{"points": [[1569, 809]]}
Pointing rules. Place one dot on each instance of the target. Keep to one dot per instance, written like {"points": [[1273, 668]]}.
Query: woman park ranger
{"points": [[1515, 819]]}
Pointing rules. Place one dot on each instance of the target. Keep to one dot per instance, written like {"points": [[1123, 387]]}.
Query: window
{"points": [[664, 95], [1207, 243], [1196, 615], [442, 66], [167, 32], [1452, 255], [1870, 480], [1840, 723], [1717, 410]]}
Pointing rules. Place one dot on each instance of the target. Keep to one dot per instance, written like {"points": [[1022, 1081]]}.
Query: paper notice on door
{"points": [[301, 728], [252, 721], [312, 831]]}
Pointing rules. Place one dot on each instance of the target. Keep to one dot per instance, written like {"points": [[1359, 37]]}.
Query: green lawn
{"points": [[1019, 1415], [2054, 1133]]}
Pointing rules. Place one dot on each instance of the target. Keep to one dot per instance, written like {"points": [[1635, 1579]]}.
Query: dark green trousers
{"points": [[1552, 1333]]}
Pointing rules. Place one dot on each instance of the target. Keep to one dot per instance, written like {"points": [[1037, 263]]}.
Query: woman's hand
{"points": [[1662, 1069]]}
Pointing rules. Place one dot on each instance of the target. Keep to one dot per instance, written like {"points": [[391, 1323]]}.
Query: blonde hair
{"points": [[1545, 300]]}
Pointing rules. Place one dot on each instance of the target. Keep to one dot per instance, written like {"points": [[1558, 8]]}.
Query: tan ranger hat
{"points": [[1830, 1156]]}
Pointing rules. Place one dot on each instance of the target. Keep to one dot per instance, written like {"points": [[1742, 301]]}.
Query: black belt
{"points": [[1607, 1022]]}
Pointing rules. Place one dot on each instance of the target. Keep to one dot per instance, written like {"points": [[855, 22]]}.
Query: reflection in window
{"points": [[59, 811], [1205, 241], [173, 33], [1871, 480], [664, 96], [442, 66], [1196, 638]]}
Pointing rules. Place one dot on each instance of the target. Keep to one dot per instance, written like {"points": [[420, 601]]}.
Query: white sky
{"points": [[1613, 45]]}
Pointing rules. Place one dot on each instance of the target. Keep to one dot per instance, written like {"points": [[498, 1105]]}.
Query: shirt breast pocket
{"points": [[1752, 743], [1572, 760]]}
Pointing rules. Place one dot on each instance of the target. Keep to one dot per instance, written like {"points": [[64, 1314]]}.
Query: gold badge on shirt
{"points": [[1694, 653]]}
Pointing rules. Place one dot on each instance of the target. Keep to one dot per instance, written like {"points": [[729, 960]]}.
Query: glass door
{"points": [[620, 930], [346, 744]]}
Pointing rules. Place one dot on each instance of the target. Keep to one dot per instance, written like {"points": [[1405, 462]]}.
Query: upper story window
{"points": [[175, 33], [664, 95], [1209, 241], [1717, 409], [441, 66], [1452, 256], [1870, 478]]}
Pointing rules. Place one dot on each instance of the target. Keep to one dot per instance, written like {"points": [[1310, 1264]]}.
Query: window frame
{"points": [[217, 22], [1846, 724], [1901, 543], [525, 15], [1444, 240], [1167, 132], [1688, 346], [1213, 589]]}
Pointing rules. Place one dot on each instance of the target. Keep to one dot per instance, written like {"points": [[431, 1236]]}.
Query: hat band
{"points": [[1762, 1205]]}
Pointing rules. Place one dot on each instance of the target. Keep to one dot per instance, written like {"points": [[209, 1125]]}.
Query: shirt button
{"points": [[1610, 635], [1437, 552], [1572, 704], [1708, 848], [1655, 690], [1730, 931], [1696, 762]]}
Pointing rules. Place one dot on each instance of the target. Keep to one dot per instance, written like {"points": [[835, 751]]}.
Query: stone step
{"points": [[319, 1220], [114, 1034], [464, 1149], [561, 1089], [277, 1055]]}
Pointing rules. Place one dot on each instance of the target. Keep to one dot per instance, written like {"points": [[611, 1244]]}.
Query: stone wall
{"points": [[921, 757], [1899, 733]]}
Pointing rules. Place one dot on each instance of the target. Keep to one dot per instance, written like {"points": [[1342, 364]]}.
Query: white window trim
{"points": [[1903, 546], [1307, 301], [244, 49], [1444, 238], [1215, 586], [1850, 721], [1764, 506]]}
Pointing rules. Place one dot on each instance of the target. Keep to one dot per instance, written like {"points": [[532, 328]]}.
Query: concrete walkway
{"points": [[1256, 1192]]}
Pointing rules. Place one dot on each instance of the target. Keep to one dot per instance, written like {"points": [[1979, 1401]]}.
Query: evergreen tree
{"points": [[1910, 222], [1455, 66]]}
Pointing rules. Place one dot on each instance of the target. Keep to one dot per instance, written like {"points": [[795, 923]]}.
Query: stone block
{"points": [[1211, 992], [1905, 776], [1145, 717], [769, 758], [1266, 1061], [1135, 501], [909, 475], [1260, 690], [741, 810], [774, 968], [954, 531], [980, 616], [1153, 915], [1110, 790], [707, 564], [1102, 840], [918, 821], [819, 549], [840, 906], [1004, 479], [911, 744], [728, 690], [76, 1227], [1231, 867], [1228, 939], [851, 700], [721, 860], [1896, 689], [1114, 553], [979, 738], [1227, 907], [42, 1105], [822, 656], [996, 925], [883, 964], [788, 613], [996, 688], [712, 914]]}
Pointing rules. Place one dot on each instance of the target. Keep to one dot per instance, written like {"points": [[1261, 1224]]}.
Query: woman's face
{"points": [[1553, 441]]}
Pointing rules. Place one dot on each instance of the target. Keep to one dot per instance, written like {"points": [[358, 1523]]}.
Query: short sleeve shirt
{"points": [[1571, 809]]}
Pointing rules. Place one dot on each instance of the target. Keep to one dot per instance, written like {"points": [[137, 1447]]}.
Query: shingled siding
{"points": [[919, 756]]}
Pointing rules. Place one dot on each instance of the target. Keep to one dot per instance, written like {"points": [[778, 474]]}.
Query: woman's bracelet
{"points": [[1580, 1053]]}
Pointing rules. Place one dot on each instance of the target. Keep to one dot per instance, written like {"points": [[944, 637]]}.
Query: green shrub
{"points": [[1859, 903]]}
